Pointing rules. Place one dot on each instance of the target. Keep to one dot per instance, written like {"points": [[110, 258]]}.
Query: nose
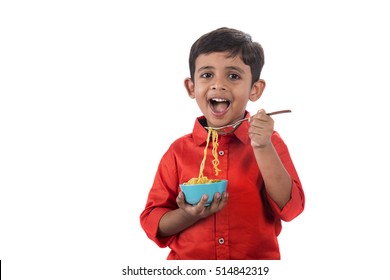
{"points": [[218, 85]]}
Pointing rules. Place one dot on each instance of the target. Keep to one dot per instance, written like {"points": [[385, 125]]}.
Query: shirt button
{"points": [[221, 153], [221, 241]]}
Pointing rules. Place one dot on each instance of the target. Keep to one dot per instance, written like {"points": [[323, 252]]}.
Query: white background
{"points": [[91, 96]]}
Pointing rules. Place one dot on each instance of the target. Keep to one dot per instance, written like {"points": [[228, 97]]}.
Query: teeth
{"points": [[219, 100]]}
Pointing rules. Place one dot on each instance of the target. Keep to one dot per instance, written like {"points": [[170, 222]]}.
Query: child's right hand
{"points": [[200, 210]]}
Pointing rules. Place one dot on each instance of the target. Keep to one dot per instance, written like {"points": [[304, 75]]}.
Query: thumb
{"points": [[180, 200]]}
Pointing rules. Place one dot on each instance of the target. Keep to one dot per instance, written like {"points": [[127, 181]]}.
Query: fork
{"points": [[230, 128]]}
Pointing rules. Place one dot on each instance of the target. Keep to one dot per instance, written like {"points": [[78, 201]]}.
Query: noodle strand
{"points": [[201, 178]]}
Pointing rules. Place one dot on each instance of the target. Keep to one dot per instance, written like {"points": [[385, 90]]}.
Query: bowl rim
{"points": [[219, 182]]}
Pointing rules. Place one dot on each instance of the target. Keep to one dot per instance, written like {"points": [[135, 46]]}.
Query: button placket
{"points": [[221, 222]]}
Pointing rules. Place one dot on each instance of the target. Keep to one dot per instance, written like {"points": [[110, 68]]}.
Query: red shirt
{"points": [[248, 226]]}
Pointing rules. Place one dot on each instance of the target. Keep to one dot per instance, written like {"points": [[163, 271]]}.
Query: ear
{"points": [[257, 90], [189, 85]]}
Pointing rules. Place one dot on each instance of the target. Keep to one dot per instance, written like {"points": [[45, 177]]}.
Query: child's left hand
{"points": [[200, 210], [261, 129]]}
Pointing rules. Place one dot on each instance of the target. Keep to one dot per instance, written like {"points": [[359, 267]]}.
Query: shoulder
{"points": [[277, 140], [180, 143], [183, 141], [276, 136]]}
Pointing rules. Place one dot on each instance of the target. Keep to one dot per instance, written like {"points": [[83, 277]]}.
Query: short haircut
{"points": [[233, 41]]}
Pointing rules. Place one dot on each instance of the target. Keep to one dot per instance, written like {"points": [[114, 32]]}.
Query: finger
{"points": [[260, 120], [261, 114], [219, 202], [214, 205], [223, 200], [202, 203], [180, 200], [266, 123], [259, 130]]}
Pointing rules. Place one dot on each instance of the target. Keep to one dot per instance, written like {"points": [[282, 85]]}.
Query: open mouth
{"points": [[219, 105]]}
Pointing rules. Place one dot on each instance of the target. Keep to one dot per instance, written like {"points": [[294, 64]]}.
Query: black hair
{"points": [[233, 41]]}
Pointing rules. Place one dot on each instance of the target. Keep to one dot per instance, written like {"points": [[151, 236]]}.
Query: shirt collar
{"points": [[199, 133]]}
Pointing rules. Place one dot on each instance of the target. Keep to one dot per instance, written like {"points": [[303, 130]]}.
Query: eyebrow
{"points": [[238, 69]]}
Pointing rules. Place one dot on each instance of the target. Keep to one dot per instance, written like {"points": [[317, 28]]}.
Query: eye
{"points": [[234, 76], [206, 75]]}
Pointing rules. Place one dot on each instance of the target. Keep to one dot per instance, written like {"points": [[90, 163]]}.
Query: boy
{"points": [[263, 185]]}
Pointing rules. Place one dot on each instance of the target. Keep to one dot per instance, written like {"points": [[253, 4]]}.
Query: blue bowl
{"points": [[193, 193]]}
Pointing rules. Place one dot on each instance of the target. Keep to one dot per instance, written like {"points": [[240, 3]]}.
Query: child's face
{"points": [[222, 87]]}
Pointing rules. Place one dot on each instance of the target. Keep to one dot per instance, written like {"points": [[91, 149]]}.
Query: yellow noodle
{"points": [[215, 161], [201, 178], [202, 164]]}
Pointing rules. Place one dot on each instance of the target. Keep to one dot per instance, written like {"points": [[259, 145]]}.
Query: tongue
{"points": [[220, 107]]}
